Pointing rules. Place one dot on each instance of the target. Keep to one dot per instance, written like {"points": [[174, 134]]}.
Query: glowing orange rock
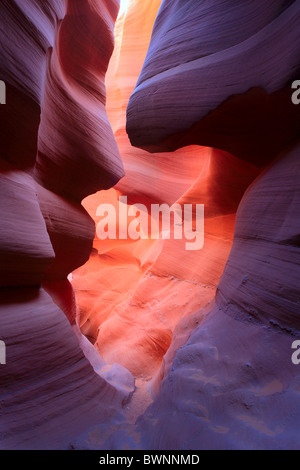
{"points": [[57, 146], [131, 295]]}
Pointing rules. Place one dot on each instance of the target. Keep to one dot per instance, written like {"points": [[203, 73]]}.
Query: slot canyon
{"points": [[141, 344]]}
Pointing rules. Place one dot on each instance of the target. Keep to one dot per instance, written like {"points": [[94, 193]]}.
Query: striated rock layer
{"points": [[221, 369], [56, 148], [132, 294], [205, 62], [233, 383]]}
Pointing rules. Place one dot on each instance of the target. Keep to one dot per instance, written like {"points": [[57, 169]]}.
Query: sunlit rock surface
{"points": [[206, 62], [56, 148], [212, 328], [233, 383], [151, 285]]}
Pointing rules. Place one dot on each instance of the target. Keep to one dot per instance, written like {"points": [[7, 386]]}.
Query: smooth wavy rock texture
{"points": [[205, 62], [147, 284], [232, 385], [208, 333], [40, 406], [56, 148]]}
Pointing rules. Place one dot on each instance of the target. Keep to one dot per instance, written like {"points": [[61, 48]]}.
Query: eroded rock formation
{"points": [[221, 369], [151, 285], [233, 384], [232, 56], [56, 147]]}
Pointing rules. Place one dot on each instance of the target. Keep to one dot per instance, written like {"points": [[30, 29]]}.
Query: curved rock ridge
{"points": [[77, 153], [230, 383], [26, 252], [233, 384], [262, 275], [235, 369], [147, 284], [56, 147], [221, 364], [71, 232], [228, 380], [188, 94], [49, 391], [24, 72]]}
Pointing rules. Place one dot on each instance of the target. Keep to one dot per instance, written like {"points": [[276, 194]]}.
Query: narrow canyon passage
{"points": [[121, 329], [150, 299], [136, 297]]}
